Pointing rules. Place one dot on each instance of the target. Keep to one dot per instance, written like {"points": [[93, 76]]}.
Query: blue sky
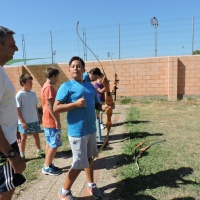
{"points": [[25, 17]]}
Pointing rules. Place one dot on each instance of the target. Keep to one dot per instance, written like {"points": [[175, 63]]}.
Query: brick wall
{"points": [[160, 76]]}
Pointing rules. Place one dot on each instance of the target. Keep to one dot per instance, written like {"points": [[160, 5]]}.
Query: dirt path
{"points": [[46, 187]]}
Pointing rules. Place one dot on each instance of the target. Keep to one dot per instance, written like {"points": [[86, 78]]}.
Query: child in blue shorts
{"points": [[50, 121], [28, 120]]}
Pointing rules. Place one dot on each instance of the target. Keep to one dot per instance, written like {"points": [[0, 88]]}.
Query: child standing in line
{"points": [[51, 121], [100, 92], [28, 120]]}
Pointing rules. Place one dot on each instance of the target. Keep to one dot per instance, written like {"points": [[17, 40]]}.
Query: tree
{"points": [[195, 52]]}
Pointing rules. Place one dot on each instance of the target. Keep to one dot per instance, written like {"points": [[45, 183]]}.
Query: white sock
{"points": [[64, 192], [21, 153], [90, 184], [46, 167]]}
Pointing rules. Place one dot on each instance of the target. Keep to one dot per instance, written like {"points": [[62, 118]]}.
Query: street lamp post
{"points": [[154, 22], [53, 52]]}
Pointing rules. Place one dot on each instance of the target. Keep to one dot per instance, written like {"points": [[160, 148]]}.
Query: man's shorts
{"points": [[83, 148], [9, 180], [53, 137], [33, 127]]}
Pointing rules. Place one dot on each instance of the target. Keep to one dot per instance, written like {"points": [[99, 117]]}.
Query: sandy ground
{"points": [[46, 187]]}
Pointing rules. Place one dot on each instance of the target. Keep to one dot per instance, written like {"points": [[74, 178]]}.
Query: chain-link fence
{"points": [[132, 40]]}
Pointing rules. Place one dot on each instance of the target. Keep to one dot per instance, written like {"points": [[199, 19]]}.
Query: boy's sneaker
{"points": [[51, 171], [40, 154], [53, 166], [96, 193], [68, 196]]}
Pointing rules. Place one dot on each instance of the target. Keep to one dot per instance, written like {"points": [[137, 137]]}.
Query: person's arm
{"points": [[60, 107], [38, 114], [17, 163], [100, 90], [24, 125], [97, 87], [36, 102], [49, 103]]}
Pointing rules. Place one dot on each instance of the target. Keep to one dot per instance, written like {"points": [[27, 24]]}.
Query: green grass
{"points": [[168, 170], [125, 100]]}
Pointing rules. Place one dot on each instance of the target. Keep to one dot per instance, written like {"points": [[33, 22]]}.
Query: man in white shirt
{"points": [[11, 164]]}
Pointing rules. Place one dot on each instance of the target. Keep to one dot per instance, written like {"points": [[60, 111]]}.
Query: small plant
{"points": [[125, 100]]}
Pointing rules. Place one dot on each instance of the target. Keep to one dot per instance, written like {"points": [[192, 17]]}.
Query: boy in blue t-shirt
{"points": [[80, 100]]}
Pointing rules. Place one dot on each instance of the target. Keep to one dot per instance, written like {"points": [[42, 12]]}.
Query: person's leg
{"points": [[97, 114], [47, 148], [89, 171], [39, 153], [80, 161], [50, 154], [52, 145], [52, 135], [70, 178], [7, 195], [22, 144], [91, 152], [65, 191], [78, 149], [101, 117], [37, 140]]}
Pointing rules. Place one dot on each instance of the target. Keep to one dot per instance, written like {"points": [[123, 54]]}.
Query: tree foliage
{"points": [[195, 52]]}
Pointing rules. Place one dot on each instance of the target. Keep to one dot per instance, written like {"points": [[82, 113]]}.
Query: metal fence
{"points": [[132, 40]]}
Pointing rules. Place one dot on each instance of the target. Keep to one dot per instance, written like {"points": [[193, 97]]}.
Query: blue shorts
{"points": [[33, 127], [53, 137], [9, 180]]}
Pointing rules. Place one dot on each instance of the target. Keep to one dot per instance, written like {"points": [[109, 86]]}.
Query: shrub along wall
{"points": [[159, 76]]}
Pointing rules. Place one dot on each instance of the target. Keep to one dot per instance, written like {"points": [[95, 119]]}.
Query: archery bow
{"points": [[108, 94], [116, 80], [142, 150]]}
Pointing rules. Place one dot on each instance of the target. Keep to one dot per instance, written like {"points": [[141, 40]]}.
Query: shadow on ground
{"points": [[130, 122], [132, 186], [64, 154]]}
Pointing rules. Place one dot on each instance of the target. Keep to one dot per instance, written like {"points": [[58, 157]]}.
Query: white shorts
{"points": [[83, 148]]}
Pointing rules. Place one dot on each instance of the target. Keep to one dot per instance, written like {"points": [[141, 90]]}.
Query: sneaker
{"points": [[23, 157], [40, 154], [96, 193], [51, 171], [55, 168], [68, 196]]}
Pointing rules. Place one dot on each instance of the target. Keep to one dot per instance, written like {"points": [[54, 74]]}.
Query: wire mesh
{"points": [[131, 40]]}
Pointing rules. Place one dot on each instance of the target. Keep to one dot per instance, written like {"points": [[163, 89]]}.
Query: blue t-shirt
{"points": [[86, 77], [81, 121]]}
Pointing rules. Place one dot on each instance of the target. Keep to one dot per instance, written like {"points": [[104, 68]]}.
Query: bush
{"points": [[195, 52]]}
